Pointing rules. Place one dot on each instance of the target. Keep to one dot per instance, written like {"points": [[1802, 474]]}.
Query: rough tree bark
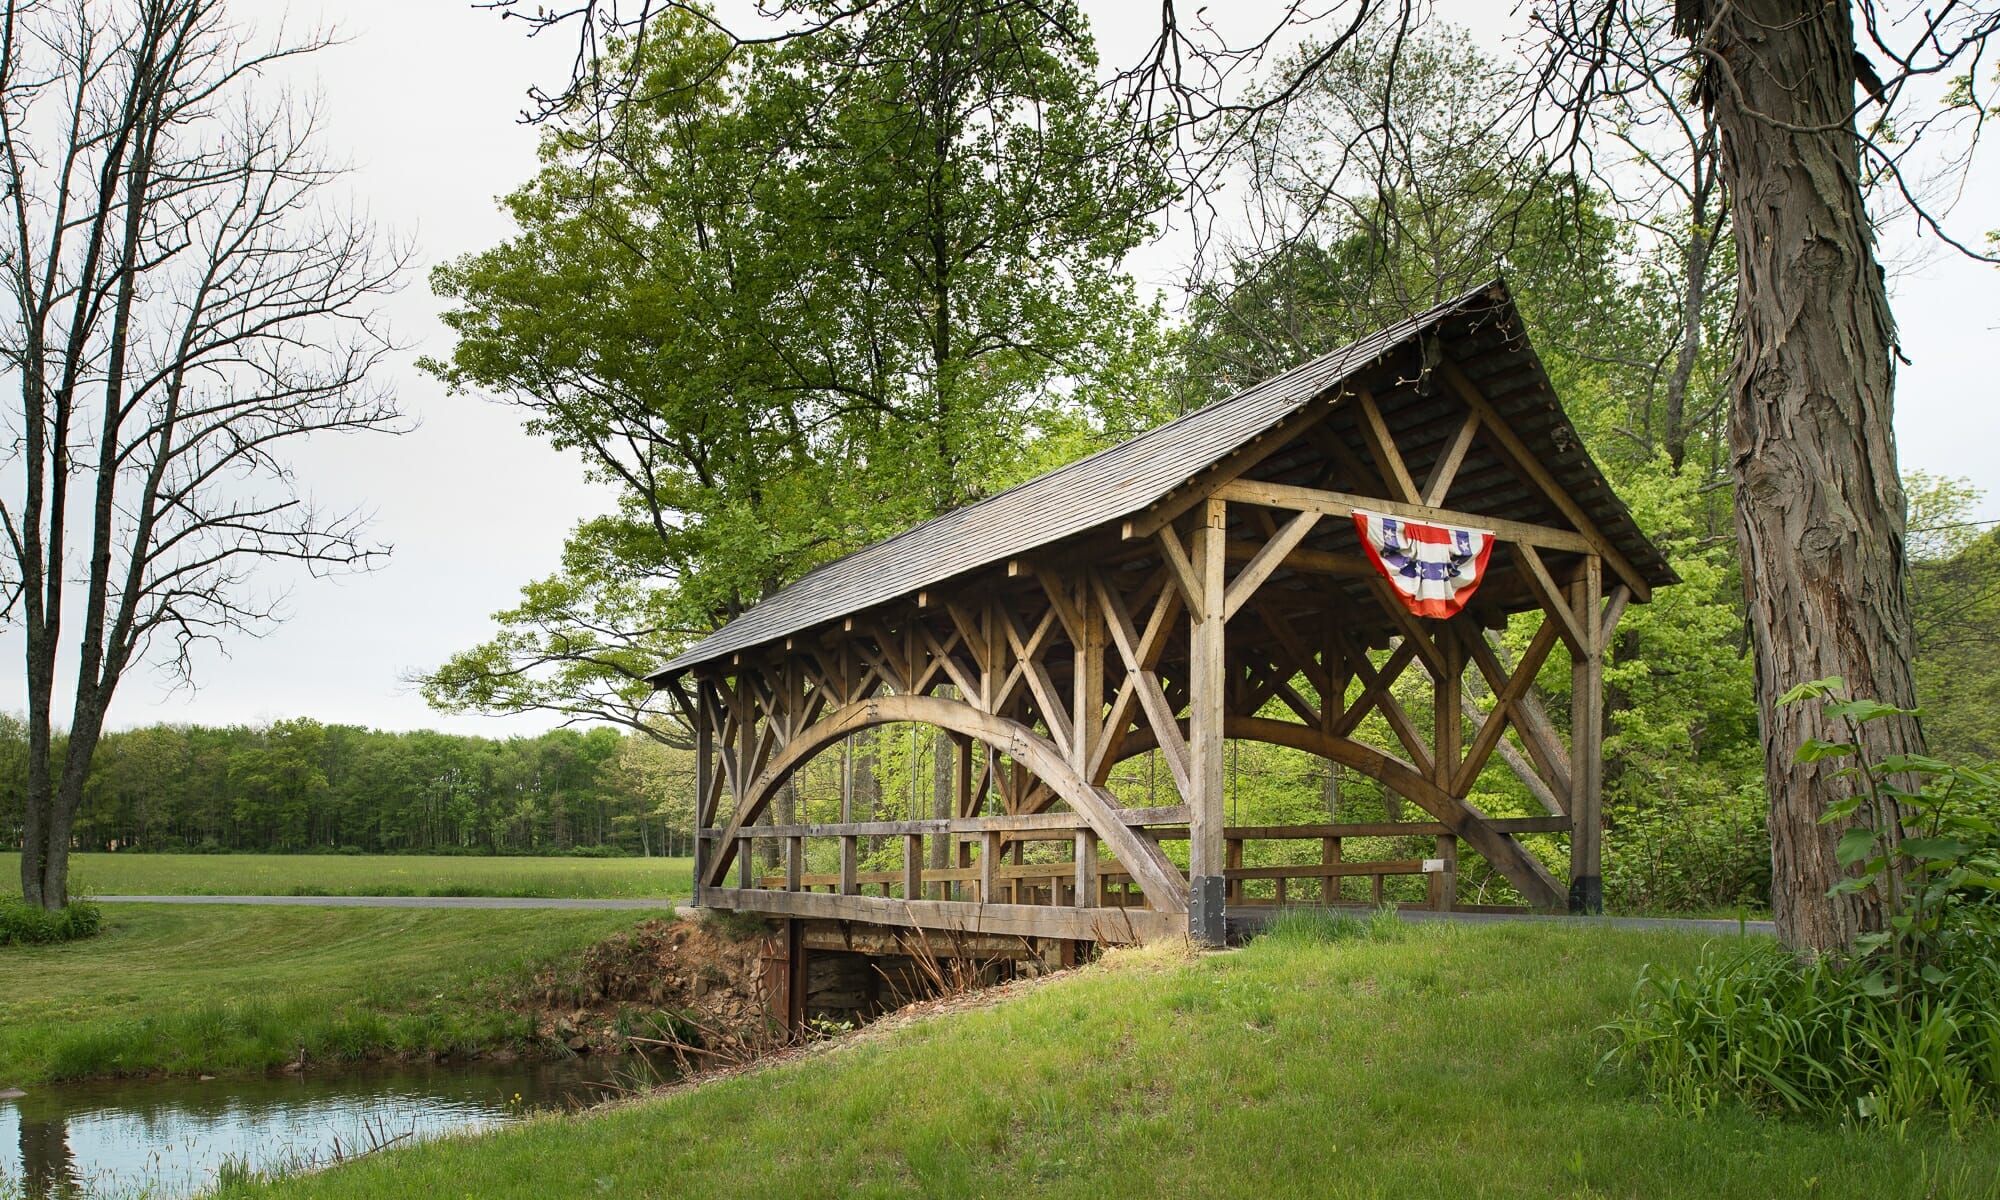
{"points": [[1820, 508]]}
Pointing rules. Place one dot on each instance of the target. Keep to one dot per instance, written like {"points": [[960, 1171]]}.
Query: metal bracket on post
{"points": [[1586, 895], [1207, 915]]}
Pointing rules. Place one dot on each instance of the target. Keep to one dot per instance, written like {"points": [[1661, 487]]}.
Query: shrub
{"points": [[1904, 1025], [1814, 1037], [26, 924]]}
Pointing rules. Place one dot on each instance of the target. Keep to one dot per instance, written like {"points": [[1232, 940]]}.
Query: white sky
{"points": [[424, 101]]}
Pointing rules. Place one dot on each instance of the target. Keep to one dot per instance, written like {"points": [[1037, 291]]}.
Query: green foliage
{"points": [[1919, 834], [1820, 1037], [1955, 606], [1683, 796], [298, 786], [1904, 1026], [23, 924], [800, 299]]}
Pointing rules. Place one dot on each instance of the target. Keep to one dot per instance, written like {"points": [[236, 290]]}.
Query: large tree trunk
{"points": [[1818, 502]]}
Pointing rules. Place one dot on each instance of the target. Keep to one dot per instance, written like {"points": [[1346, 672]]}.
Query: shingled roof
{"points": [[1124, 480]]}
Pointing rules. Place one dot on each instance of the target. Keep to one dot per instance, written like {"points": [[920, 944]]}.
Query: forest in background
{"points": [[300, 786]]}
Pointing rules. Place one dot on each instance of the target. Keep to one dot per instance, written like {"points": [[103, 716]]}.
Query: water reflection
{"points": [[171, 1137]]}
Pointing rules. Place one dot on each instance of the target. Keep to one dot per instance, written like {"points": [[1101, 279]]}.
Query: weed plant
{"points": [[1906, 1025], [24, 924]]}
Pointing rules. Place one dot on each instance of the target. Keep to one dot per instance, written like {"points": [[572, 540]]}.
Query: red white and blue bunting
{"points": [[1433, 569]]}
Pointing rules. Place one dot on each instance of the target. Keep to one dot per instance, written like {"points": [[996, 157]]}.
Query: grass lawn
{"points": [[186, 988], [371, 875], [1444, 1061]]}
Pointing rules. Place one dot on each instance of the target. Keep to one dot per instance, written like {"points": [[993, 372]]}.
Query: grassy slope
{"points": [[1456, 1062], [221, 987], [371, 875]]}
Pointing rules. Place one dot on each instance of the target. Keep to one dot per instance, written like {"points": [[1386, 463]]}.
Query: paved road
{"points": [[1672, 924], [398, 901], [1668, 924]]}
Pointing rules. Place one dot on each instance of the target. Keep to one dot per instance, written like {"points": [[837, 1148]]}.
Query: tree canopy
{"points": [[795, 301]]}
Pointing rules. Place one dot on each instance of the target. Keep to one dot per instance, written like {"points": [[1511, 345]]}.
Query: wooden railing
{"points": [[1327, 877], [980, 873]]}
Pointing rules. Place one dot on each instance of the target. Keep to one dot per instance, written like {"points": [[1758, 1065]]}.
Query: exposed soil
{"points": [[701, 982]]}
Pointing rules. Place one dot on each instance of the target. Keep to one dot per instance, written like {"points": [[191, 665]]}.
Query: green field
{"points": [[186, 988], [1441, 1061], [371, 875]]}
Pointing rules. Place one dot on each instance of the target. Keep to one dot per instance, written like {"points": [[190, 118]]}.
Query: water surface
{"points": [[169, 1137]]}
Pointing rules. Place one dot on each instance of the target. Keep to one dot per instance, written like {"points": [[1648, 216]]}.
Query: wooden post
{"points": [[796, 977], [1207, 696], [1087, 684], [795, 854], [1586, 751], [849, 852], [1448, 691], [989, 863], [1329, 886], [1444, 884], [704, 779], [1086, 868], [1232, 858], [961, 807], [745, 878], [913, 866]]}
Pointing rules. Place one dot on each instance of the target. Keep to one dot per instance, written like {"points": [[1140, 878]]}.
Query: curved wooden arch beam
{"points": [[1157, 877], [1507, 855]]}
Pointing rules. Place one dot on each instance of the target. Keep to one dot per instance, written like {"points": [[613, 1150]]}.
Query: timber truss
{"points": [[1239, 606]]}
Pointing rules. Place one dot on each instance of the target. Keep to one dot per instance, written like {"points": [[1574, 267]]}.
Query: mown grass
{"points": [[1357, 1060], [372, 875], [233, 987]]}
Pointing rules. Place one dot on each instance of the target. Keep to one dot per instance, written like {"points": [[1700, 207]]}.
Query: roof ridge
{"points": [[1384, 338]]}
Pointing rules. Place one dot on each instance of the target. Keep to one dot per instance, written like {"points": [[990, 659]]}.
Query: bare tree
{"points": [[180, 307]]}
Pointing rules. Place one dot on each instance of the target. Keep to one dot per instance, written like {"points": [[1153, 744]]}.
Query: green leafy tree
{"points": [[1955, 596], [1366, 229], [790, 305]]}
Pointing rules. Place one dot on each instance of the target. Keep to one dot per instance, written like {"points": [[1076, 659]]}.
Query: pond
{"points": [[170, 1137]]}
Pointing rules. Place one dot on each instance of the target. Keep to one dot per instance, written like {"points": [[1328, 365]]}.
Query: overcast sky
{"points": [[424, 101]]}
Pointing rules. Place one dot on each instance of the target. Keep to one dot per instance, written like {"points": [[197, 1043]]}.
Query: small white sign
{"points": [[1433, 866]]}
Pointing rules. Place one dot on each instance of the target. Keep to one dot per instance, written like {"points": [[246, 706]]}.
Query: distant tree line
{"points": [[304, 787]]}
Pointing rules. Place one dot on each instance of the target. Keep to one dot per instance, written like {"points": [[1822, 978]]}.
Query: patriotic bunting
{"points": [[1432, 568]]}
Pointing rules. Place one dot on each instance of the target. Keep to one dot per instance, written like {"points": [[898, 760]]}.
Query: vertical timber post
{"points": [[962, 807], [1447, 691], [1086, 868], [1207, 686], [795, 977], [704, 779], [1586, 746]]}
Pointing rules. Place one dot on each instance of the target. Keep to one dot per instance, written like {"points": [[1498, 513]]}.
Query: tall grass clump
{"points": [[1325, 926], [1906, 1024], [24, 924]]}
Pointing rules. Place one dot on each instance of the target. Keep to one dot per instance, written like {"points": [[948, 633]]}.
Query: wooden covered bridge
{"points": [[1202, 582]]}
